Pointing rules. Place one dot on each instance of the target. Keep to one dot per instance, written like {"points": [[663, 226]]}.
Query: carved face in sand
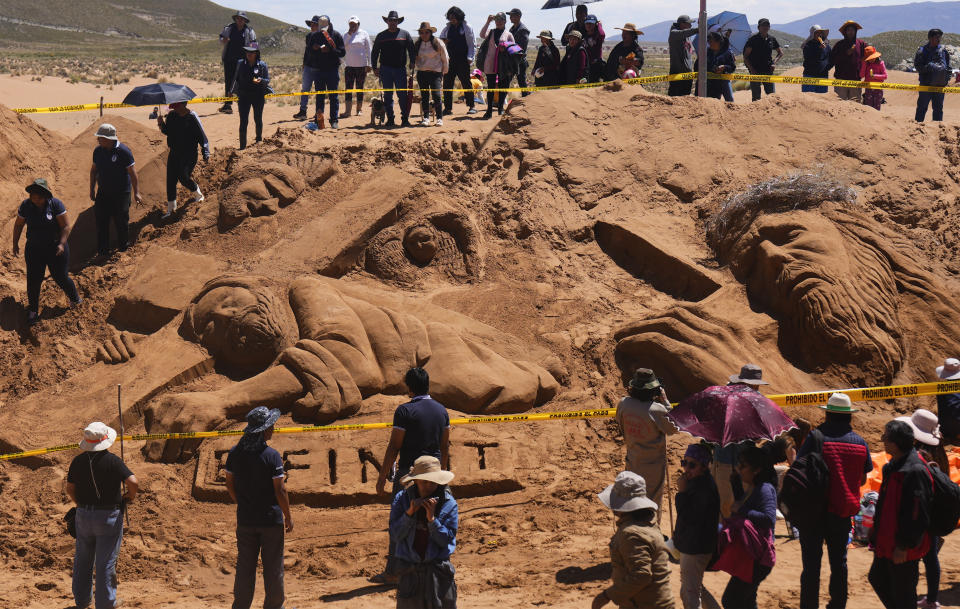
{"points": [[420, 243], [239, 325], [835, 295]]}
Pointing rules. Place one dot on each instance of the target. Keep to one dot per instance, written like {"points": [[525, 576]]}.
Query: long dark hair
{"points": [[457, 13], [433, 42], [761, 460]]}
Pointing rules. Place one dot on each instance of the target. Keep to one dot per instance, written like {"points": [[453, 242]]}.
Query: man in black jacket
{"points": [[521, 35], [233, 38], [393, 48], [324, 50], [899, 536], [307, 71]]}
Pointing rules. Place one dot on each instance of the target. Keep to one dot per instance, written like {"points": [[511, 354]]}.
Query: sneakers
{"points": [[171, 207], [439, 122], [76, 303], [472, 111], [923, 603], [300, 115], [425, 122], [32, 318], [334, 124], [226, 108]]}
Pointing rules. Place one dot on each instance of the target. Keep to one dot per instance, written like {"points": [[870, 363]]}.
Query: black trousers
{"points": [[354, 78], [677, 88], [244, 103], [492, 84], [267, 544], [522, 76], [39, 258], [180, 166], [741, 595], [895, 585], [430, 84], [229, 72], [116, 207], [834, 532], [459, 68]]}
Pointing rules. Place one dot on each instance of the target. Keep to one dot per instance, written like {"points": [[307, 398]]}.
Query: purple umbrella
{"points": [[731, 414]]}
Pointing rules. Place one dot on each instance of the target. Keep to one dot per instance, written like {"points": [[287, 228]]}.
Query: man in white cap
{"points": [[112, 176], [641, 562], [948, 404], [94, 482], [848, 461]]}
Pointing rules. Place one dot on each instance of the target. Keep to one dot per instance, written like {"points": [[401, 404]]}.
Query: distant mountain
{"points": [[876, 19], [655, 32], [145, 21]]}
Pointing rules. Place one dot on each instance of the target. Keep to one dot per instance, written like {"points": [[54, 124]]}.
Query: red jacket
{"points": [[902, 514]]}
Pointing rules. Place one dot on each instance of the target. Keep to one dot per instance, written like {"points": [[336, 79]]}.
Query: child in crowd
{"points": [[873, 70]]}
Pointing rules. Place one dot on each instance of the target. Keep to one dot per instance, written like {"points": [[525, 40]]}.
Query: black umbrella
{"points": [[158, 94]]}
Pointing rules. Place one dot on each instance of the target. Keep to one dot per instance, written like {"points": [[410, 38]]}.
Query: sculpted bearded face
{"points": [[241, 326], [834, 295]]}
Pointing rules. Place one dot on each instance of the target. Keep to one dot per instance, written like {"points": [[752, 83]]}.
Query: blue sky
{"points": [[613, 13]]}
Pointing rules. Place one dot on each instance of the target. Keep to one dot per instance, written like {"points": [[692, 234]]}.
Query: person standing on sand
{"points": [[432, 63], [899, 536], [948, 404], [681, 60], [847, 58], [521, 34], [574, 67], [420, 427], [726, 457], [461, 47], [874, 70], [95, 482], [848, 461], [546, 68], [698, 514], [816, 58], [306, 79], [758, 57], [184, 134], [48, 228], [233, 38], [251, 86], [494, 60], [933, 64], [423, 520], [578, 24], [642, 416], [114, 172], [356, 64], [641, 563], [393, 50], [254, 476]]}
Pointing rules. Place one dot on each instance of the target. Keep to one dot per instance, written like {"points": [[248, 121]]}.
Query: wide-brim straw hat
{"points": [[870, 53], [425, 25], [427, 468], [952, 363], [628, 493], [925, 425], [98, 436], [848, 23], [750, 374], [629, 27], [839, 403]]}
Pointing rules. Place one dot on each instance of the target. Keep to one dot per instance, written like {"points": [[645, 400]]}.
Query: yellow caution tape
{"points": [[811, 398], [643, 80]]}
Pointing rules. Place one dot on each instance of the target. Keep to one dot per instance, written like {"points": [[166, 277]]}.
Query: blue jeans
{"points": [[99, 533], [923, 101], [835, 532], [394, 78], [321, 81]]}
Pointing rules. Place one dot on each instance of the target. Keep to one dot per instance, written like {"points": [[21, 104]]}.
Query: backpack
{"points": [[806, 487], [944, 504]]}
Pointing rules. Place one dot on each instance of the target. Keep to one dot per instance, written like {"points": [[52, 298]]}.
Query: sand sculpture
{"points": [[317, 349], [258, 190], [443, 244], [846, 293]]}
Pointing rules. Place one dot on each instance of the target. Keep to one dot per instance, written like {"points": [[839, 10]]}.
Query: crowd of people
{"points": [[710, 533]]}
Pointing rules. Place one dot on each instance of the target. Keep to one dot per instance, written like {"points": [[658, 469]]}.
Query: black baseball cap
{"points": [[515, 11], [763, 21]]}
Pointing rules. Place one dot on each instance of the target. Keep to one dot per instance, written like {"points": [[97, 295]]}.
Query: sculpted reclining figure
{"points": [[324, 348], [850, 297]]}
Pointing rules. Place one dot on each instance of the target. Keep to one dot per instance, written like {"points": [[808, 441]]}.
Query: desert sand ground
{"points": [[546, 544]]}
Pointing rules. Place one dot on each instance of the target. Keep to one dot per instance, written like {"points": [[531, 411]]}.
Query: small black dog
{"points": [[378, 112]]}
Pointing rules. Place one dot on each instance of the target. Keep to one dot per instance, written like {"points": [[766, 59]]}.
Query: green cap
{"points": [[644, 378]]}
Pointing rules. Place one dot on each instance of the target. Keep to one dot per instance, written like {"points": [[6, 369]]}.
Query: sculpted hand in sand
{"points": [[322, 350]]}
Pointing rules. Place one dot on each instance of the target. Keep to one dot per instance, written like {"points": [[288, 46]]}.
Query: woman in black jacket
{"points": [[546, 69], [720, 60], [251, 84], [625, 47], [575, 65], [817, 60], [698, 514]]}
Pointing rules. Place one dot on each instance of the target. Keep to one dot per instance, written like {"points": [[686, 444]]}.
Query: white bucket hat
{"points": [[627, 494], [926, 426], [98, 436], [427, 468], [950, 370], [107, 131]]}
